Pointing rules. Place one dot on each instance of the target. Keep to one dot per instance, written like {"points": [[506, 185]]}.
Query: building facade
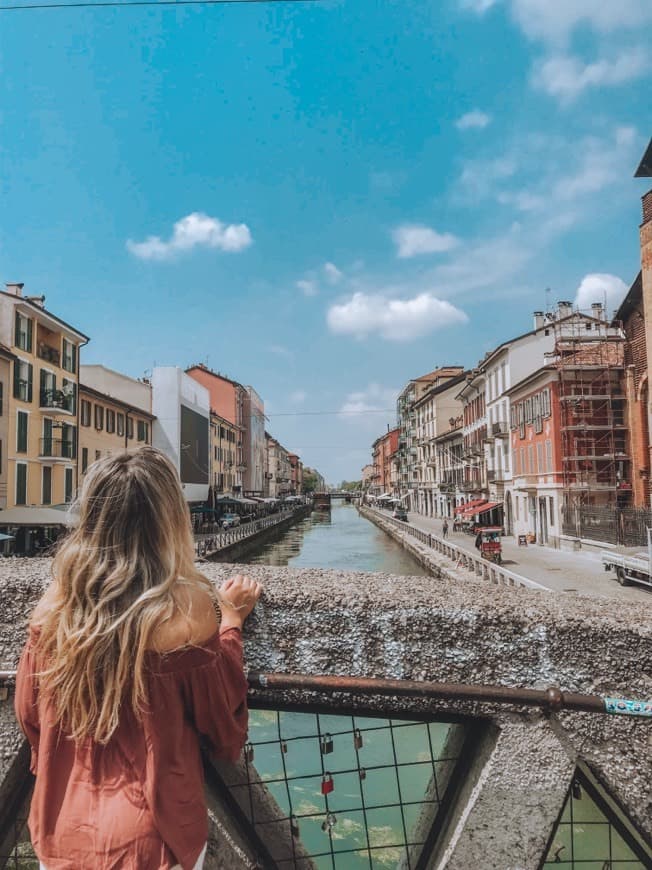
{"points": [[296, 473], [449, 467], [383, 449], [115, 414], [42, 403], [223, 456], [254, 446]]}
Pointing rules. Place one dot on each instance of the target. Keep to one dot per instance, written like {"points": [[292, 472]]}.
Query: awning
{"points": [[484, 508], [461, 509], [384, 495], [30, 516], [4, 537]]}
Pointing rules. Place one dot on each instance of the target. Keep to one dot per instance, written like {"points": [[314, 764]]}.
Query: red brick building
{"points": [[383, 449]]}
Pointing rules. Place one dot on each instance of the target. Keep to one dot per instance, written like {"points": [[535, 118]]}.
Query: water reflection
{"points": [[339, 539]]}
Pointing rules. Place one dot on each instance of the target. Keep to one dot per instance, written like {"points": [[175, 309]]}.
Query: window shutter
{"points": [[30, 372], [16, 379], [30, 323], [16, 329]]}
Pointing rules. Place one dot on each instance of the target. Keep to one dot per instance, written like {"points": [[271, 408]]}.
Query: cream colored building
{"points": [[225, 437], [41, 405], [115, 414]]}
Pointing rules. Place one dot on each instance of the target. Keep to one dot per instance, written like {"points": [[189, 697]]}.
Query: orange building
{"points": [[533, 502], [383, 450]]}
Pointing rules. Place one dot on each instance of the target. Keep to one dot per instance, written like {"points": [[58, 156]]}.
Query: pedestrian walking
{"points": [[444, 529], [126, 668]]}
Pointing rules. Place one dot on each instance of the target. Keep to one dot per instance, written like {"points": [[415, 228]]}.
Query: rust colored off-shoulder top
{"points": [[138, 802]]}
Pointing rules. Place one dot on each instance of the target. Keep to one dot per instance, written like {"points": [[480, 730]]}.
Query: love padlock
{"points": [[357, 739], [328, 822], [249, 752], [327, 784], [326, 744], [362, 773], [284, 747], [294, 826]]}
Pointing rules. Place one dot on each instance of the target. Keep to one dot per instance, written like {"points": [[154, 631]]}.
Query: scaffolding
{"points": [[589, 356]]}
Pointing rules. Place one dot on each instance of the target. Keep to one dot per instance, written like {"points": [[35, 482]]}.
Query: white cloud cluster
{"points": [[600, 287], [412, 240], [308, 286], [475, 120], [333, 274], [555, 20], [193, 231], [393, 319], [566, 77], [373, 398]]}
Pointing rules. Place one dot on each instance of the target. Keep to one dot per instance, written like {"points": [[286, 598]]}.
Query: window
{"points": [[99, 417], [551, 510], [21, 431], [23, 336], [549, 456], [143, 430], [68, 485], [85, 413], [523, 466], [46, 485], [23, 380], [545, 401], [69, 389], [130, 428], [530, 459], [21, 483], [84, 459], [98, 454], [68, 441], [2, 389], [540, 466], [515, 462], [120, 418], [69, 362], [110, 420], [47, 387]]}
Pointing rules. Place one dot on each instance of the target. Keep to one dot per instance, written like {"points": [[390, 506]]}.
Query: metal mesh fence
{"points": [[612, 525], [345, 792]]}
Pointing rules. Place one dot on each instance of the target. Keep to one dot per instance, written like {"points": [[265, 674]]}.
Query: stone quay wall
{"points": [[314, 621]]}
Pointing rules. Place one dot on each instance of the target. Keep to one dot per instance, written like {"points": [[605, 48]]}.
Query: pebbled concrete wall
{"points": [[379, 625]]}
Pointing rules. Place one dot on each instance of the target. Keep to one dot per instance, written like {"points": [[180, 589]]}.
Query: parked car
{"points": [[228, 521], [400, 514]]}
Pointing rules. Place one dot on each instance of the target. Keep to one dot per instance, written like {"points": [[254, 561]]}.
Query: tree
{"points": [[309, 481]]}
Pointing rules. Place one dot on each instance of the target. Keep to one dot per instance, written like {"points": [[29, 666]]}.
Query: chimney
{"points": [[538, 319], [565, 309], [37, 300], [15, 289], [597, 310]]}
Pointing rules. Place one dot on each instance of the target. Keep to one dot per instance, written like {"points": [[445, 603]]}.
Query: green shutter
{"points": [[17, 329], [30, 373], [17, 379], [30, 323]]}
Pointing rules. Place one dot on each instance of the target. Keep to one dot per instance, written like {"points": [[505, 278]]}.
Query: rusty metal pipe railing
{"points": [[552, 699]]}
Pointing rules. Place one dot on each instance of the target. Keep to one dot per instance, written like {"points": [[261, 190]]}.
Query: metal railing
{"points": [[56, 448], [480, 567], [211, 542]]}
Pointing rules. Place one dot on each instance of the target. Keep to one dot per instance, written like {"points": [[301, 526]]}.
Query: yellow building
{"points": [[41, 404], [115, 414], [223, 455]]}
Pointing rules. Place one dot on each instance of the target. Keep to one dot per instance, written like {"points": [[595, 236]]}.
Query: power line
{"points": [[88, 4], [327, 413]]}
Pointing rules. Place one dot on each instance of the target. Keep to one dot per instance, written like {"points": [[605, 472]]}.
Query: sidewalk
{"points": [[559, 570]]}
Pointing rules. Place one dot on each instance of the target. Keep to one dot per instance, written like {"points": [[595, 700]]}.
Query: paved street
{"points": [[557, 569]]}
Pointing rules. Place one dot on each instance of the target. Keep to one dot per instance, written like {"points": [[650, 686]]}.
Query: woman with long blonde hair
{"points": [[126, 668]]}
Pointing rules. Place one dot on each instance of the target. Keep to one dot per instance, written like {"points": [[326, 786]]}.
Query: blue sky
{"points": [[322, 200]]}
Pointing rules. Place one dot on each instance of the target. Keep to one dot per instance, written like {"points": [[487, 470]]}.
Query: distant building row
{"points": [[547, 436], [57, 417]]}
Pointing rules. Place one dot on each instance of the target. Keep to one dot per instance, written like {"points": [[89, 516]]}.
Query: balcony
{"points": [[49, 354], [57, 402], [56, 448], [500, 429]]}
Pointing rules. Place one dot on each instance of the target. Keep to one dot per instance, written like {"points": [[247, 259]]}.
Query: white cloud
{"points": [[308, 287], [555, 20], [298, 397], [280, 350], [333, 274], [414, 239], [375, 398], [597, 287], [475, 120], [193, 231], [479, 6], [566, 77], [394, 319]]}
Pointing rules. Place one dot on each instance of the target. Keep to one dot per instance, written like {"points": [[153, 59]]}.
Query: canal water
{"points": [[339, 539]]}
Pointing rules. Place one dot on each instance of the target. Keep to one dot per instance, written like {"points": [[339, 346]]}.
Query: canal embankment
{"points": [[231, 545], [443, 559]]}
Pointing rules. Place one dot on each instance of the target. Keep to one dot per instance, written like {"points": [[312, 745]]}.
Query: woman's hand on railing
{"points": [[238, 596]]}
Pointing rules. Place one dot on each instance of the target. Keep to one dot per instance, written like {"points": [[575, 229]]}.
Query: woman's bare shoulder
{"points": [[192, 625]]}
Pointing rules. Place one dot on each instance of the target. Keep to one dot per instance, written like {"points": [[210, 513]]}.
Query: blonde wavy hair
{"points": [[119, 575]]}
